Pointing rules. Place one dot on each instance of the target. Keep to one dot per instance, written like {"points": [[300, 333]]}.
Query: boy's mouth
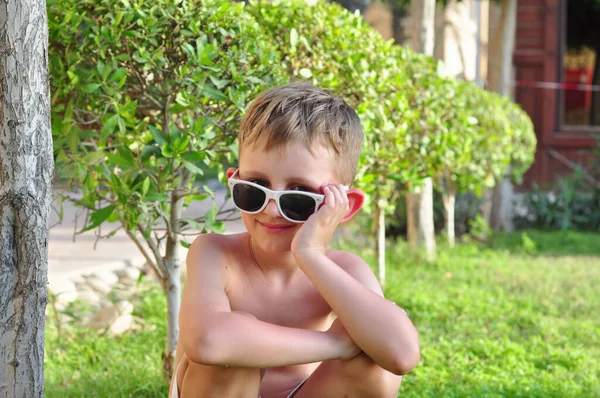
{"points": [[275, 227]]}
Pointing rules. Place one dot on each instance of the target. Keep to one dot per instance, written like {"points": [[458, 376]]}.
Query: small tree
{"points": [[144, 94]]}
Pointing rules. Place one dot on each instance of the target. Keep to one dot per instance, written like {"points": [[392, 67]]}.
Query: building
{"points": [[556, 70], [555, 59]]}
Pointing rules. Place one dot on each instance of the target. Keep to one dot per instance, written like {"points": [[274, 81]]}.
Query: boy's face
{"points": [[293, 168]]}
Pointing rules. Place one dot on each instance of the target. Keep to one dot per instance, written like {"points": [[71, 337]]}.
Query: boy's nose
{"points": [[271, 210]]}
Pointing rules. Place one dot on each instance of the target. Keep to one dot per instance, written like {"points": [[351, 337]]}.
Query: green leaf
{"points": [[93, 157], [185, 244], [177, 108], [119, 160], [73, 141], [157, 134], [146, 186], [210, 222], [127, 155], [167, 151], [109, 126], [181, 101], [90, 88], [193, 156], [157, 197], [214, 94], [192, 167], [118, 75], [99, 216], [193, 223], [218, 83]]}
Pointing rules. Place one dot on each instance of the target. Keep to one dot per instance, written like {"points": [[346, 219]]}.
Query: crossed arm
{"points": [[214, 335], [380, 328]]}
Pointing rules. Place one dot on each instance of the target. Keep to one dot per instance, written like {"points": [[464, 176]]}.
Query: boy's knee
{"points": [[220, 375]]}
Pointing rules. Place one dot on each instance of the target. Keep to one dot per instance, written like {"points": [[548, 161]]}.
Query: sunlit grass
{"points": [[517, 317]]}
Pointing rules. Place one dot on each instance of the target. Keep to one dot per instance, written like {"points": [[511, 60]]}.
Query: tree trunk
{"points": [[381, 244], [419, 215], [398, 14], [501, 217], [412, 221], [172, 283], [502, 47], [26, 173], [426, 227], [172, 289], [486, 207], [423, 16], [500, 72], [449, 199]]}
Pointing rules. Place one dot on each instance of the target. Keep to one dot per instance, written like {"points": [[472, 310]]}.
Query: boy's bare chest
{"points": [[298, 304]]}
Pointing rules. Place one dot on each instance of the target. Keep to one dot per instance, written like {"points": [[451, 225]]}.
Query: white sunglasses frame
{"points": [[275, 195]]}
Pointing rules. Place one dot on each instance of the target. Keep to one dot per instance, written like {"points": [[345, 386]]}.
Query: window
{"points": [[580, 94]]}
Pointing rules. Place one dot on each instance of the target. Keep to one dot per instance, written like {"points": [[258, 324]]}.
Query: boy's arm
{"points": [[380, 328], [213, 335], [377, 326]]}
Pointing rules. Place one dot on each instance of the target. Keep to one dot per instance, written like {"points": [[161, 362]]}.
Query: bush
{"points": [[339, 51], [572, 204], [144, 93]]}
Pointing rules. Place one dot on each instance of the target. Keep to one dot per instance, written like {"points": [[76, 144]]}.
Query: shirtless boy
{"points": [[273, 313]]}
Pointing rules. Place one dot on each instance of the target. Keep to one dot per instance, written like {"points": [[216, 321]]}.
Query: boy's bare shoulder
{"points": [[214, 247], [356, 267]]}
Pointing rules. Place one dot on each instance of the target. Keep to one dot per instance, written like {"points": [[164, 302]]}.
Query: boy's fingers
{"points": [[329, 196], [341, 195]]}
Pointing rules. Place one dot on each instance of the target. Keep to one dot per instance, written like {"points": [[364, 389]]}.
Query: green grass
{"points": [[80, 363], [519, 317]]}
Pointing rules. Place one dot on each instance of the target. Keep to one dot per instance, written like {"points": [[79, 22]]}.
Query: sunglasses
{"points": [[294, 206]]}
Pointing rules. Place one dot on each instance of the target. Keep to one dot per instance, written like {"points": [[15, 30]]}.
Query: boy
{"points": [[272, 313]]}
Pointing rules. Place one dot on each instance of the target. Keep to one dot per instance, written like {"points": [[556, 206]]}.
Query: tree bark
{"points": [[172, 282], [449, 199], [426, 226], [412, 221], [423, 16], [26, 173], [502, 47], [500, 71], [419, 216]]}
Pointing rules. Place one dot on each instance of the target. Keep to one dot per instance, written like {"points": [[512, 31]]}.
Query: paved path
{"points": [[69, 259]]}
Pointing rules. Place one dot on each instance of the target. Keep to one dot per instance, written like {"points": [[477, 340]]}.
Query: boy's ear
{"points": [[356, 199], [230, 172]]}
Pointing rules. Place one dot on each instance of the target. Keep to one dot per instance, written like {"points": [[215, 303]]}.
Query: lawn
{"points": [[519, 316]]}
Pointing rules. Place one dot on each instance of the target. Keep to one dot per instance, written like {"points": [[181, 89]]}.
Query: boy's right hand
{"points": [[348, 349]]}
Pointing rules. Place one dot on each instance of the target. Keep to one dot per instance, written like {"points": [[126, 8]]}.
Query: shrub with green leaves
{"points": [[339, 51], [144, 94], [572, 203]]}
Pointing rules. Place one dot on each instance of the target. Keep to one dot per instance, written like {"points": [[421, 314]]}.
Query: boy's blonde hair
{"points": [[302, 112]]}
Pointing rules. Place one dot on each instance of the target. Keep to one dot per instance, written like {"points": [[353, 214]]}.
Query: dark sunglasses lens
{"points": [[247, 197], [296, 206]]}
